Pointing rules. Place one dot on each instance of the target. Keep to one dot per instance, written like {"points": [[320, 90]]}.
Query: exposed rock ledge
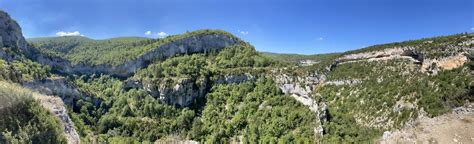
{"points": [[56, 106], [183, 91], [56, 86], [391, 53], [430, 66], [447, 63], [173, 91], [301, 88]]}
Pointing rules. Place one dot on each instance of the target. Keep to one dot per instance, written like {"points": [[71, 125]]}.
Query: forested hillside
{"points": [[210, 86], [115, 51]]}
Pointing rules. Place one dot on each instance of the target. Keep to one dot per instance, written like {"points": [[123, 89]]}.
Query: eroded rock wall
{"points": [[187, 45], [57, 107], [56, 86]]}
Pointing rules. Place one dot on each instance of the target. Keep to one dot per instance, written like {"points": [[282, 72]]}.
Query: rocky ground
{"points": [[56, 106], [456, 127]]}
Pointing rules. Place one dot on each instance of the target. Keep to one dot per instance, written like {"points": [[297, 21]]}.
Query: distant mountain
{"points": [[209, 86]]}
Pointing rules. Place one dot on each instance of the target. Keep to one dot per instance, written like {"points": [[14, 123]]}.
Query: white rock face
{"points": [[55, 86], [301, 89], [447, 63], [187, 45], [56, 106], [183, 93], [10, 37], [386, 54]]}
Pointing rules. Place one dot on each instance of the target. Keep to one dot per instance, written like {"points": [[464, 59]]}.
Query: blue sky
{"points": [[284, 26]]}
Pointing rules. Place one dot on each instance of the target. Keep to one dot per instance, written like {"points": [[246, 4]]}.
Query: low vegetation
{"points": [[24, 120]]}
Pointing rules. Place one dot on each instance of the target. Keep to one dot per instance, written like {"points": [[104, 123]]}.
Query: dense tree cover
{"points": [[253, 112], [113, 51], [22, 70], [242, 55], [24, 120]]}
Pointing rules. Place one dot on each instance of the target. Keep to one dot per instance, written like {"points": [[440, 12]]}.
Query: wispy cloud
{"points": [[320, 38], [63, 33], [472, 28], [243, 32], [158, 34]]}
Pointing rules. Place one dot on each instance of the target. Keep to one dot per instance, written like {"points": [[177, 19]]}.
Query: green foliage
{"points": [[242, 55], [257, 111], [24, 120], [116, 51], [23, 70]]}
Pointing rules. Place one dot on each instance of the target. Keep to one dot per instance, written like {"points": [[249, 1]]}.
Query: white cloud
{"points": [[472, 28], [159, 34], [148, 33], [243, 32], [75, 33], [162, 34], [320, 38]]}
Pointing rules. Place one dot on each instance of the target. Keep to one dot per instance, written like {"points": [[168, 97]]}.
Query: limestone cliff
{"points": [[301, 88], [58, 86], [186, 45], [11, 38]]}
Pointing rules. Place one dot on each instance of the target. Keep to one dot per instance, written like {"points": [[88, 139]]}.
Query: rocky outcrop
{"points": [[11, 38], [301, 89], [391, 53], [181, 92], [186, 45], [184, 91], [56, 106], [428, 65], [432, 66], [56, 86]]}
